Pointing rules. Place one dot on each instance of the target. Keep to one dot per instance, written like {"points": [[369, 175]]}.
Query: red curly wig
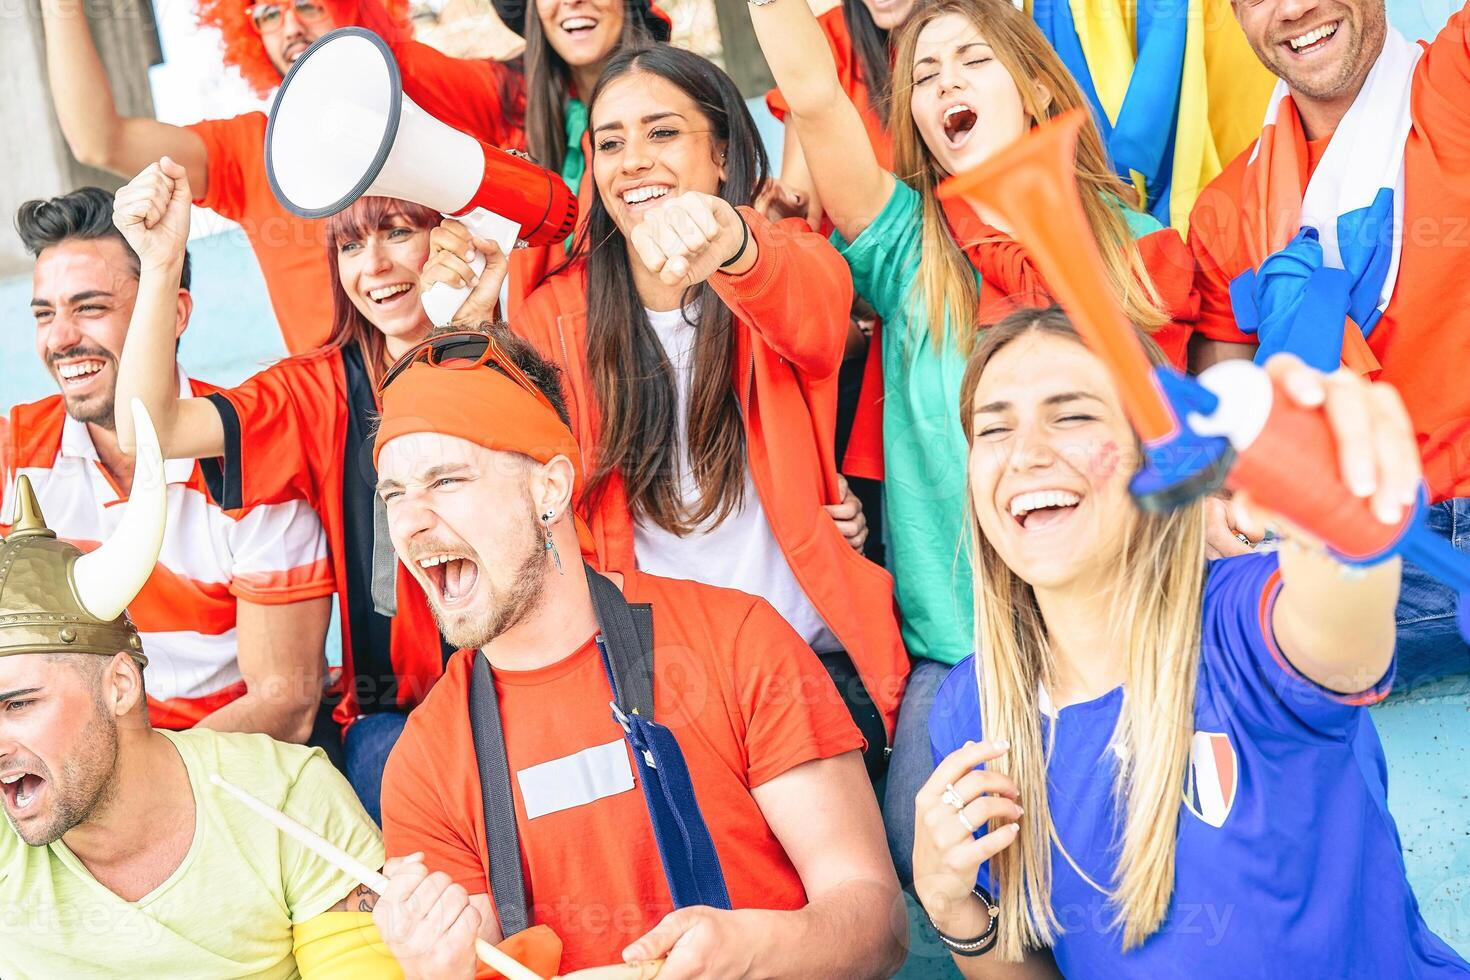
{"points": [[243, 49]]}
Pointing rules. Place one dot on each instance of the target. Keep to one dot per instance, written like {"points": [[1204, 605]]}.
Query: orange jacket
{"points": [[791, 316]]}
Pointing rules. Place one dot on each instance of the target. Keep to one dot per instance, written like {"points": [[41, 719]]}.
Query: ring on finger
{"points": [[965, 821], [952, 797]]}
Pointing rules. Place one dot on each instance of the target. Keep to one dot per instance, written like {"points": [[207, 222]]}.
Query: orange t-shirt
{"points": [[1423, 338], [468, 95], [849, 68], [747, 700]]}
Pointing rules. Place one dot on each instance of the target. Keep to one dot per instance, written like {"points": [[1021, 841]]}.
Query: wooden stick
{"points": [[346, 863]]}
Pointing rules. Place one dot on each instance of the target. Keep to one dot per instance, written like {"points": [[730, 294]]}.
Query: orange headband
{"points": [[480, 405]]}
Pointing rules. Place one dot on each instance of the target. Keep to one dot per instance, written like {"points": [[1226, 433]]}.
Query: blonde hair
{"points": [[946, 279], [1158, 596]]}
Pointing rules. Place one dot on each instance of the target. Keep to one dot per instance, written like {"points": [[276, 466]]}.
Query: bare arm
{"points": [[360, 899], [152, 212], [797, 176], [281, 660], [948, 857], [1336, 624], [854, 924], [97, 134], [844, 170]]}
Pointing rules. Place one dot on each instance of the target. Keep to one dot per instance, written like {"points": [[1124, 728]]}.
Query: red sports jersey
{"points": [[301, 430], [270, 554], [1423, 338]]}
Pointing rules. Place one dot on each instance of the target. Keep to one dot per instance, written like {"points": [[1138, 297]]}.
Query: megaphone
{"points": [[342, 128]]}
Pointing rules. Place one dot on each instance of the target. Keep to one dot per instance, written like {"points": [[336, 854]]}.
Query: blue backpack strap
{"points": [[501, 837], [691, 863]]}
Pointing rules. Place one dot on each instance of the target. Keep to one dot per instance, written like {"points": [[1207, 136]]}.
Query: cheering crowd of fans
{"points": [[765, 549]]}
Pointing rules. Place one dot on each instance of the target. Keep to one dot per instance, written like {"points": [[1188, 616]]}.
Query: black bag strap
{"points": [[627, 632], [627, 635], [502, 841], [690, 861]]}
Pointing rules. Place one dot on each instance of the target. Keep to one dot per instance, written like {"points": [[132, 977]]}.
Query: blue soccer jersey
{"points": [[1288, 862]]}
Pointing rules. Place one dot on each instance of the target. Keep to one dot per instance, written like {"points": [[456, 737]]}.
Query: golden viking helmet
{"points": [[56, 599]]}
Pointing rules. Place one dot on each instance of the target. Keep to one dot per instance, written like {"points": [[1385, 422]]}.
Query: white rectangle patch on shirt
{"points": [[575, 780]]}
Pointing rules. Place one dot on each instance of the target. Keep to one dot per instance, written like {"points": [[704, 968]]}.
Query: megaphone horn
{"points": [[1032, 186], [341, 128]]}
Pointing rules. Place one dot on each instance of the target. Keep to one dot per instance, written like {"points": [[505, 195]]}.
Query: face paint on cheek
{"points": [[1105, 462]]}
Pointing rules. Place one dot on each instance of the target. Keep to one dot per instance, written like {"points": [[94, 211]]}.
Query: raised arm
{"points": [[98, 136], [852, 186], [152, 212], [1336, 624]]}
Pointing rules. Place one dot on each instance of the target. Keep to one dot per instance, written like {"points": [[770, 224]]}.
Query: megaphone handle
{"points": [[442, 301]]}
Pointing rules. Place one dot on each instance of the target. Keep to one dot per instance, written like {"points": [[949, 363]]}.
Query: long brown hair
{"points": [[632, 378], [1159, 590], [874, 57], [364, 217], [946, 279], [549, 86]]}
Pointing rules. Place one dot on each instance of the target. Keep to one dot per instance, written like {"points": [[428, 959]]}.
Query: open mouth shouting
{"points": [[1037, 510], [959, 123], [453, 577], [21, 792], [1313, 41]]}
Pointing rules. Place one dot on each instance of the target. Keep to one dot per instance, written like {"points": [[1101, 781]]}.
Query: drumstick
{"points": [[346, 863]]}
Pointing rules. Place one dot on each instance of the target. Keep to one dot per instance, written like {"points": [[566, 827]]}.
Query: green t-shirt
{"points": [[574, 164], [924, 451], [924, 456], [226, 911]]}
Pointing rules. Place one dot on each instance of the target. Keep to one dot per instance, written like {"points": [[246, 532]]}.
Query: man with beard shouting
{"points": [[479, 473]]}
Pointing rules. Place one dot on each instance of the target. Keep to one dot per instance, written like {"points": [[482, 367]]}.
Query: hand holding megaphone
{"points": [[342, 128], [463, 265]]}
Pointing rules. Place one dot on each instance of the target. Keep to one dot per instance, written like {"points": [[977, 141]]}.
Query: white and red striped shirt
{"points": [[271, 555]]}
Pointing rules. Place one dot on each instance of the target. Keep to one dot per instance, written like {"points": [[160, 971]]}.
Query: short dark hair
{"points": [[85, 214], [543, 374]]}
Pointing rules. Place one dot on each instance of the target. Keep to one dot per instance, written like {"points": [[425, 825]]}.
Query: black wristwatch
{"points": [[982, 943]]}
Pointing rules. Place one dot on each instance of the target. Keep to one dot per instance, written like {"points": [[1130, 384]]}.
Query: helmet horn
{"points": [[109, 578]]}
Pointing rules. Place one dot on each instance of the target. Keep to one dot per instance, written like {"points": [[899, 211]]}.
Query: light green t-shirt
{"points": [[228, 909], [924, 451], [924, 455]]}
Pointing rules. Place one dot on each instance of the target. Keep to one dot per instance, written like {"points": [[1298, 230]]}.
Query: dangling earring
{"points": [[550, 544]]}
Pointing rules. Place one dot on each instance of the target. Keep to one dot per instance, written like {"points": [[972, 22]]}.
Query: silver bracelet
{"points": [[981, 944]]}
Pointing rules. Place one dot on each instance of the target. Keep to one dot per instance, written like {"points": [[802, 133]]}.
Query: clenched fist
{"points": [[152, 212], [689, 236]]}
